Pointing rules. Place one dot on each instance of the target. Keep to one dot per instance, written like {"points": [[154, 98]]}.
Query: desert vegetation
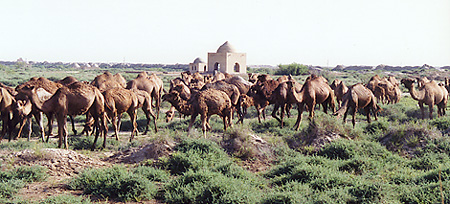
{"points": [[399, 158]]}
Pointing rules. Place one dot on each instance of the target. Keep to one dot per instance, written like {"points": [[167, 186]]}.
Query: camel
{"points": [[11, 90], [315, 91], [145, 103], [242, 84], [67, 80], [75, 99], [24, 111], [246, 101], [180, 86], [339, 89], [206, 103], [421, 81], [231, 90], [6, 106], [107, 80], [253, 77], [118, 101], [283, 99], [145, 83], [429, 94], [157, 91], [48, 86], [283, 78], [383, 89], [358, 96]]}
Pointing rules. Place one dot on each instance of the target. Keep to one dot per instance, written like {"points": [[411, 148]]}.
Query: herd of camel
{"points": [[108, 96]]}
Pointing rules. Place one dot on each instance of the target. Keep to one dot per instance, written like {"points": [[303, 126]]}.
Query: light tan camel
{"points": [[75, 99], [315, 91], [358, 96], [206, 103], [283, 99], [107, 80], [429, 94], [143, 82], [118, 101]]}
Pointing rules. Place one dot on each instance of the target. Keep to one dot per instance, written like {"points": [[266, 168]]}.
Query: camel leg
{"points": [[345, 114], [73, 125], [430, 107], [5, 120], [62, 130], [39, 119], [274, 113], [422, 110], [115, 124], [354, 116], [133, 117], [299, 116], [205, 120], [243, 113], [283, 108], [367, 110], [22, 124], [191, 122], [50, 125]]}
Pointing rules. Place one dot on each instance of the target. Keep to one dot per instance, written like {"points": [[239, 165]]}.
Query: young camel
{"points": [[118, 101], [206, 103], [75, 99], [247, 101], [429, 94], [358, 96]]}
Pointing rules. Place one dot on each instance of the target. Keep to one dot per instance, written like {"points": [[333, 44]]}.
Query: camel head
{"points": [[22, 107], [252, 77], [335, 84], [169, 115], [409, 83], [171, 97]]}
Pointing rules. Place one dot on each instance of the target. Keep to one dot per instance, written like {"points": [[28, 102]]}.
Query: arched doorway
{"points": [[237, 68], [216, 66]]}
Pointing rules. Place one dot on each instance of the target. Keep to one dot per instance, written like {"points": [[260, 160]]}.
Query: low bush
{"points": [[30, 173], [10, 187], [66, 199], [115, 182], [205, 186], [152, 174], [366, 192]]}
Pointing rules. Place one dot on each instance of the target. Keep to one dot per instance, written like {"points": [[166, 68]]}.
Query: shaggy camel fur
{"points": [[145, 102], [206, 103], [315, 91], [107, 80], [253, 77], [231, 90], [179, 86], [358, 96], [75, 99], [242, 84], [429, 94], [6, 106], [118, 101], [339, 89]]}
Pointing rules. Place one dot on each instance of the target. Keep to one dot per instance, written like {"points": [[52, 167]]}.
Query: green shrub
{"points": [[115, 182], [428, 161], [10, 187], [205, 186], [366, 192], [152, 174], [339, 149], [196, 154], [377, 127], [66, 199], [429, 193], [294, 69], [441, 123], [357, 165], [30, 173]]}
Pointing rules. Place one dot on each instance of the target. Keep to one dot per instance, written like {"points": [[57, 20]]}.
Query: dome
{"points": [[198, 60], [226, 48]]}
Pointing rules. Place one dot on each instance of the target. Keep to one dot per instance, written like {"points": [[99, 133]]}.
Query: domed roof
{"points": [[198, 60], [226, 47]]}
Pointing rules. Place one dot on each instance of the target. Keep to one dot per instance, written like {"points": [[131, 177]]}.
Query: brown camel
{"points": [[107, 80], [315, 91], [118, 101], [145, 102], [242, 84], [179, 86], [421, 81], [339, 90], [247, 101], [158, 91], [283, 99], [75, 99], [383, 89], [429, 94], [67, 80], [206, 103], [24, 94], [358, 96], [253, 77], [231, 90], [143, 82], [6, 106]]}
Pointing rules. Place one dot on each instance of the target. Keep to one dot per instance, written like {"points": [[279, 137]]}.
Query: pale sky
{"points": [[313, 32]]}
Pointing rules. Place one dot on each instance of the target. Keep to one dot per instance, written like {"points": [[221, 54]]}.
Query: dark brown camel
{"points": [[6, 106], [358, 96], [206, 103]]}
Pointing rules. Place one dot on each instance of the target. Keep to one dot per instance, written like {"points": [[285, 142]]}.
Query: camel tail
{"points": [[342, 109]]}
